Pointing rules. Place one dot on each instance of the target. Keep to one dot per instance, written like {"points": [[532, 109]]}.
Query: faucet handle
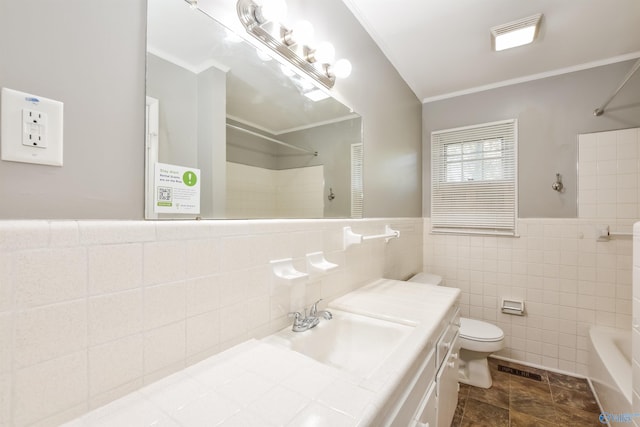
{"points": [[297, 317], [313, 312]]}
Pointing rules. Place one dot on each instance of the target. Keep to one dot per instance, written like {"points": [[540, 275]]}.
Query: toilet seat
{"points": [[477, 330]]}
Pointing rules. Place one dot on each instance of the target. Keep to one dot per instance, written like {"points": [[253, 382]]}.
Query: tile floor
{"points": [[515, 401]]}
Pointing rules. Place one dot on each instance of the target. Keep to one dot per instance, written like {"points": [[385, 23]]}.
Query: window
{"points": [[473, 179], [357, 192]]}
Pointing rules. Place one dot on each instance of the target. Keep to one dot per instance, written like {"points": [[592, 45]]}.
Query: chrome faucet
{"points": [[303, 322], [313, 312]]}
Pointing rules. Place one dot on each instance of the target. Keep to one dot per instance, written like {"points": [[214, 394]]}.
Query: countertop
{"points": [[260, 384]]}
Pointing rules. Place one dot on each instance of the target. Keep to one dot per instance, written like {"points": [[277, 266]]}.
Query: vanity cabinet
{"points": [[431, 394]]}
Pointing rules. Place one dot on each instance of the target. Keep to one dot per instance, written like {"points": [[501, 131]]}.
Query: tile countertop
{"points": [[260, 384]]}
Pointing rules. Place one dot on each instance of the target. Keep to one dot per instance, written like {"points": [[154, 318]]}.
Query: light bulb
{"points": [[324, 53], [272, 11], [302, 33], [341, 69]]}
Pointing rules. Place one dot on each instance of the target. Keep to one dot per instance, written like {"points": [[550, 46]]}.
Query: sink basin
{"points": [[351, 342]]}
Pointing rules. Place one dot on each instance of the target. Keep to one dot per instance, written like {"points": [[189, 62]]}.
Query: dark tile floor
{"points": [[515, 401]]}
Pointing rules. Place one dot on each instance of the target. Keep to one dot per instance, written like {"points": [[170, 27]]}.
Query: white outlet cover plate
{"points": [[12, 128]]}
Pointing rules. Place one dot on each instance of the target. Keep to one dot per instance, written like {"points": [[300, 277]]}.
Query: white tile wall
{"points": [[254, 192], [608, 175], [568, 279], [93, 310]]}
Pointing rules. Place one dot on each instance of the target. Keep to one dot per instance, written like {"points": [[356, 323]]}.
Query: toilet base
{"points": [[474, 369]]}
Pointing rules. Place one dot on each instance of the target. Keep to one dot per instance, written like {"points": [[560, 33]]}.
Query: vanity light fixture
{"points": [[516, 33], [263, 20]]}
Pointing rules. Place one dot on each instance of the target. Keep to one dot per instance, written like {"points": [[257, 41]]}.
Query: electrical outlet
{"points": [[30, 128], [34, 128]]}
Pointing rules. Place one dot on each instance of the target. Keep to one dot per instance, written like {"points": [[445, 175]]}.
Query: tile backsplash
{"points": [[92, 310]]}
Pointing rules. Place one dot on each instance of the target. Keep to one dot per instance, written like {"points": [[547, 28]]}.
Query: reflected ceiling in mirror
{"points": [[211, 87]]}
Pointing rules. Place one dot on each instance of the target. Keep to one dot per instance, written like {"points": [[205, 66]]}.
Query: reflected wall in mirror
{"points": [[264, 148]]}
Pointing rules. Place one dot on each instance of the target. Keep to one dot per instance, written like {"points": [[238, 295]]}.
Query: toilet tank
{"points": [[427, 279]]}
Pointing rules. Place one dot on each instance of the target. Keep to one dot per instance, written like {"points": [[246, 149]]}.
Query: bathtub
{"points": [[610, 368]]}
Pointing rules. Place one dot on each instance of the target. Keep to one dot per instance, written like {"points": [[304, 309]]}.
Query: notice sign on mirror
{"points": [[177, 189]]}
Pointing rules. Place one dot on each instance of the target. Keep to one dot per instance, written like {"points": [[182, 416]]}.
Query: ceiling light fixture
{"points": [[262, 19], [316, 95], [516, 33]]}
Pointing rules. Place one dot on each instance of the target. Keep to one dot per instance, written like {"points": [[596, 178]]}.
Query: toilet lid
{"points": [[477, 330]]}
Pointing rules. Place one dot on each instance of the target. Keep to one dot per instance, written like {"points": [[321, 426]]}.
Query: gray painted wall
{"points": [[391, 114], [333, 144], [551, 113], [212, 146], [192, 130], [177, 91], [91, 56], [251, 150]]}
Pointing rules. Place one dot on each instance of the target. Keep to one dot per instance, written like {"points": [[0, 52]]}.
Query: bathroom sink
{"points": [[351, 342]]}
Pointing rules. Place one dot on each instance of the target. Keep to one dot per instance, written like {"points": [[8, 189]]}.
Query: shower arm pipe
{"points": [[600, 111], [259, 135]]}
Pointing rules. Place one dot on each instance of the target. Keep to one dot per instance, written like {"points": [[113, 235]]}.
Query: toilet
{"points": [[478, 340]]}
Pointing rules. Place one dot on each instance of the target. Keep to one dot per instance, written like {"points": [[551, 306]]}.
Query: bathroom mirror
{"points": [[235, 131]]}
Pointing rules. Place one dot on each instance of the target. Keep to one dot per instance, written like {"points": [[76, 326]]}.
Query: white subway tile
{"points": [[6, 282], [164, 304], [49, 276], [49, 332], [164, 262], [182, 230], [203, 332], [233, 321], [258, 311], [43, 390], [64, 233], [21, 235], [567, 353], [114, 268], [115, 364], [237, 253], [114, 316], [5, 398], [110, 232], [6, 341], [164, 347], [203, 295], [233, 288], [202, 257]]}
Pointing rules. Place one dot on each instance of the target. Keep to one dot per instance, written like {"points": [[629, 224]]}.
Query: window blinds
{"points": [[474, 179], [356, 180]]}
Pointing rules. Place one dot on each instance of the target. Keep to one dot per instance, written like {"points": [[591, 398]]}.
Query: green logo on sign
{"points": [[189, 178]]}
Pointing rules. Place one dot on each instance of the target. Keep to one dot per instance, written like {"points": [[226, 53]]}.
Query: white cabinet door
{"points": [[447, 387], [427, 415]]}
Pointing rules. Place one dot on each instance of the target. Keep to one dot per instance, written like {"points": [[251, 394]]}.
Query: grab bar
{"points": [[351, 238]]}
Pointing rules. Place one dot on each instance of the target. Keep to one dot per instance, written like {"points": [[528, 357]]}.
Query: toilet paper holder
{"points": [[512, 306]]}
